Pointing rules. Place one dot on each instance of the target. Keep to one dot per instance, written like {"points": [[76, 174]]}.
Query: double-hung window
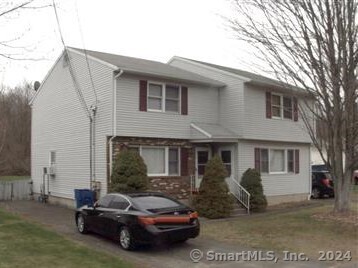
{"points": [[287, 108], [155, 97], [290, 161], [275, 161], [276, 106], [161, 161], [281, 106], [163, 97], [264, 156], [172, 98], [154, 157]]}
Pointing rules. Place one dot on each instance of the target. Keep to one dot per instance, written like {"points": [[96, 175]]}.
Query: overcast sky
{"points": [[155, 30]]}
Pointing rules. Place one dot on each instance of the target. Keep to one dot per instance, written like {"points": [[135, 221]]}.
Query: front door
{"points": [[202, 156], [226, 154]]}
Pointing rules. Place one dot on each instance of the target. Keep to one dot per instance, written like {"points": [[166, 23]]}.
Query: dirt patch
{"points": [[288, 205], [347, 218]]}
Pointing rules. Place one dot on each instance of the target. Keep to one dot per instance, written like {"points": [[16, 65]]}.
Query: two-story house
{"points": [[176, 116]]}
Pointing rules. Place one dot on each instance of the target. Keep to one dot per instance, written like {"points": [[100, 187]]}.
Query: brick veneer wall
{"points": [[176, 186]]}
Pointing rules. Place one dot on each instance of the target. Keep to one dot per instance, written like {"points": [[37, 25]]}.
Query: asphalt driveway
{"points": [[61, 220]]}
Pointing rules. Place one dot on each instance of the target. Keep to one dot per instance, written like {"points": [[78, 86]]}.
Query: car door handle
{"points": [[100, 214]]}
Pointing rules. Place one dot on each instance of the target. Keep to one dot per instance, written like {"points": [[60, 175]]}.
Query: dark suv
{"points": [[322, 184]]}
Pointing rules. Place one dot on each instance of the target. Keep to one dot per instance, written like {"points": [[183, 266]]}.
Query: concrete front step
{"points": [[238, 210]]}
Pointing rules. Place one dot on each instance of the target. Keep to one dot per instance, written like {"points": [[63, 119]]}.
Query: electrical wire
{"points": [[72, 73], [86, 56], [80, 96]]}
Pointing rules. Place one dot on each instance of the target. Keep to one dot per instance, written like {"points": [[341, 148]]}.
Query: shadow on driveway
{"points": [[61, 220]]}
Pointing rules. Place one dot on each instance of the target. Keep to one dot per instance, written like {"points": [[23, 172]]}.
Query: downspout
{"points": [[114, 123], [309, 174]]}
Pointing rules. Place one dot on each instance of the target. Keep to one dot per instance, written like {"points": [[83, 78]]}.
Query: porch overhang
{"points": [[208, 133]]}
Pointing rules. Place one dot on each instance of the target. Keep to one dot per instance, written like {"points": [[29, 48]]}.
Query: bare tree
{"points": [[9, 42], [15, 130], [313, 44]]}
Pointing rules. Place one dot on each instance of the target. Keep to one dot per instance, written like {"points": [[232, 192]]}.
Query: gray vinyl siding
{"points": [[257, 127], [202, 107], [231, 97], [277, 184], [60, 124]]}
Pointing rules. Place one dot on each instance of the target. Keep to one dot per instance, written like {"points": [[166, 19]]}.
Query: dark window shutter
{"points": [[184, 155], [268, 105], [257, 159], [295, 109], [143, 95], [184, 100], [297, 161]]}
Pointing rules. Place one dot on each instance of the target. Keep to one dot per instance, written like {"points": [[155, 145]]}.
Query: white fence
{"points": [[15, 190]]}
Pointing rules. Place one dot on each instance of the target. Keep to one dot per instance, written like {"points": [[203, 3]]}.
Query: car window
{"points": [[104, 201], [328, 175], [119, 202], [154, 202]]}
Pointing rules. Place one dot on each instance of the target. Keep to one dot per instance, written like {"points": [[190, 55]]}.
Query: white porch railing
{"points": [[240, 193]]}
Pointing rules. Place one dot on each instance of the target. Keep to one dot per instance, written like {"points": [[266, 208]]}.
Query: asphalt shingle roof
{"points": [[150, 68], [255, 78], [214, 131]]}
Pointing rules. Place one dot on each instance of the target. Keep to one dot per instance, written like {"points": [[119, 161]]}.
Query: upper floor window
{"points": [[172, 98], [279, 106], [287, 108], [163, 97], [276, 106], [155, 97]]}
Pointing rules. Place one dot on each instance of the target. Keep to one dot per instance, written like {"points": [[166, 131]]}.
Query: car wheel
{"points": [[316, 193], [126, 239], [81, 224]]}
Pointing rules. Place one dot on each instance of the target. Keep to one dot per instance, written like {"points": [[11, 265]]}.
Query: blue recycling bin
{"points": [[84, 197]]}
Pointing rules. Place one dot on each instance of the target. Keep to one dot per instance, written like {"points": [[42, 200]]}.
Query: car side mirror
{"points": [[95, 205]]}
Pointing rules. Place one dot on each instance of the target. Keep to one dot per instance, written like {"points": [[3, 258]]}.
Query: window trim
{"points": [[163, 98], [285, 161], [166, 160], [50, 157], [293, 161], [179, 159], [281, 106]]}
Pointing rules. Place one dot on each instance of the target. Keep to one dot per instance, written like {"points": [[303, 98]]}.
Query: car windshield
{"points": [[154, 202]]}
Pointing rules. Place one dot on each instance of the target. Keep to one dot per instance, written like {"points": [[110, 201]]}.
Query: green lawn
{"points": [[13, 178], [23, 244], [297, 230]]}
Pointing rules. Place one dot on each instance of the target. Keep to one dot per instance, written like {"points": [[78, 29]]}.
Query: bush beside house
{"points": [[213, 200], [129, 173], [251, 181]]}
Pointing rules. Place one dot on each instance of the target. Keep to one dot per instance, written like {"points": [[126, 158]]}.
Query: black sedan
{"points": [[139, 218]]}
